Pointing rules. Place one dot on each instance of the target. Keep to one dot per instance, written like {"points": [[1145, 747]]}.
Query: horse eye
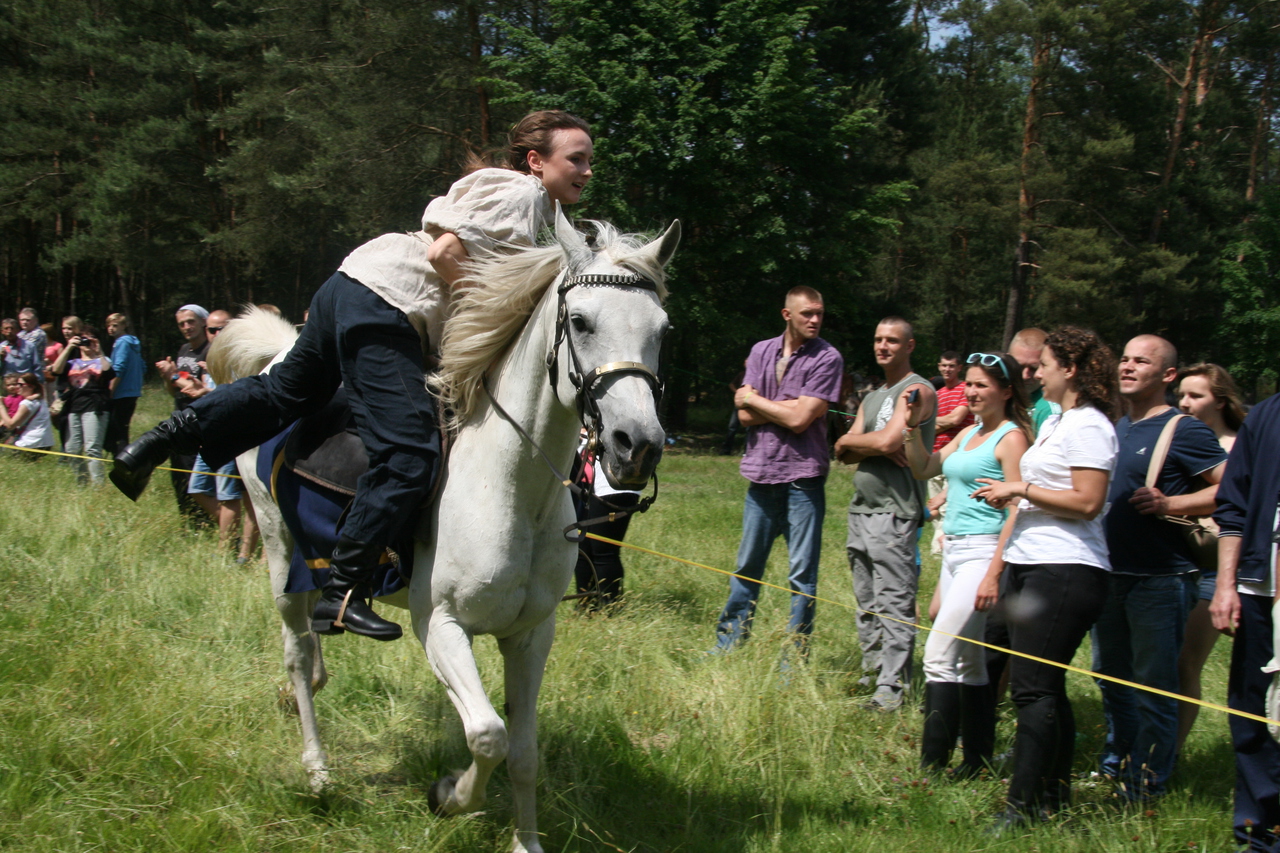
{"points": [[580, 324]]}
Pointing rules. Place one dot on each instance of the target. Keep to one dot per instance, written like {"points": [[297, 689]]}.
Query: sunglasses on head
{"points": [[989, 359]]}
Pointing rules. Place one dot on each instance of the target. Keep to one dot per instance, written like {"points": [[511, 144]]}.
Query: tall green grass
{"points": [[139, 670]]}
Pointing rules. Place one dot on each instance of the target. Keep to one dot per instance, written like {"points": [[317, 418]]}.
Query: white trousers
{"points": [[965, 561]]}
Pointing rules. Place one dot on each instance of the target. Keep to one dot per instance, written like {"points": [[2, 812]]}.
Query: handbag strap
{"points": [[1158, 456], [1161, 451]]}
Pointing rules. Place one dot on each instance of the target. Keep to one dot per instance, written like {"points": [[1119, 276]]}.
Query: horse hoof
{"points": [[319, 780], [440, 794]]}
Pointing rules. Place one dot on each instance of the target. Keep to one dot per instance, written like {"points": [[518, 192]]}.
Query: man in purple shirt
{"points": [[790, 381]]}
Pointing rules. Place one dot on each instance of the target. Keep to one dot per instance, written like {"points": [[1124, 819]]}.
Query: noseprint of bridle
{"points": [[584, 383]]}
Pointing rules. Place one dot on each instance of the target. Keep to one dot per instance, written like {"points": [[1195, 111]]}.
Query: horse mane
{"points": [[502, 291], [248, 344]]}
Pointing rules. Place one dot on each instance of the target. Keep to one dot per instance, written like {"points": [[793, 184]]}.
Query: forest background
{"points": [[974, 165]]}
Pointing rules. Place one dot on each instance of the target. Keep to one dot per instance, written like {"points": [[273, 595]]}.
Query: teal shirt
{"points": [[964, 515]]}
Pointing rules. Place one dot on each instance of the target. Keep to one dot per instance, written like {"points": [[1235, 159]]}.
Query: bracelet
{"points": [[1026, 492], [748, 397], [908, 435]]}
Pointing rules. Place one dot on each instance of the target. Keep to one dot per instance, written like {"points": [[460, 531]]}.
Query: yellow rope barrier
{"points": [[106, 459], [1069, 667]]}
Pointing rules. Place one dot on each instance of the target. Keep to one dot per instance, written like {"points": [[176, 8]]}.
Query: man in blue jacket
{"points": [[1241, 608]]}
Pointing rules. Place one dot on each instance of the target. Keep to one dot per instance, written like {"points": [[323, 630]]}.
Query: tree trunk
{"points": [[1023, 259]]}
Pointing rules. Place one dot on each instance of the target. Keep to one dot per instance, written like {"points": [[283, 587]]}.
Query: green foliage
{"points": [[1250, 328]]}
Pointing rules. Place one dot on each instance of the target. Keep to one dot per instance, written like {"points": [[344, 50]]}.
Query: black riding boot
{"points": [[941, 724], [343, 604], [134, 464], [977, 728]]}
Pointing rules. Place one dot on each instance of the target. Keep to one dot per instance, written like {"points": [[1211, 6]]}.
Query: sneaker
{"points": [[886, 700]]}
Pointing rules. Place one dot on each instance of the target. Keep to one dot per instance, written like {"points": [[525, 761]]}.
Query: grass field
{"points": [[139, 670]]}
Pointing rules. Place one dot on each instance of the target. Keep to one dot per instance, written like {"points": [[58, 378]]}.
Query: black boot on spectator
{"points": [[134, 464], [343, 604], [941, 724]]}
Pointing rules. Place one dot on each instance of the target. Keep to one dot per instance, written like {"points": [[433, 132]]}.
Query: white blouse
{"points": [[1082, 437], [487, 209]]}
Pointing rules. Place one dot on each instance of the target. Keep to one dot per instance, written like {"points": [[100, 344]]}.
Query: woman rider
{"points": [[368, 328]]}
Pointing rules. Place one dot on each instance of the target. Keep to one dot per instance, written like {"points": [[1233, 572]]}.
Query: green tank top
{"points": [[882, 485], [965, 516]]}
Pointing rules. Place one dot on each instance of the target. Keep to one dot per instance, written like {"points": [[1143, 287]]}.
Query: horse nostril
{"points": [[621, 440]]}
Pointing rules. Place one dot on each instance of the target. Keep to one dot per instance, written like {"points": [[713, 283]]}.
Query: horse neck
{"points": [[520, 385]]}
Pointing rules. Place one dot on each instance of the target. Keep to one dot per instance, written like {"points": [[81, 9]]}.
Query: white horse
{"points": [[524, 364]]}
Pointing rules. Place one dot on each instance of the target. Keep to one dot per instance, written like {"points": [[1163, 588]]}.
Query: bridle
{"points": [[584, 383]]}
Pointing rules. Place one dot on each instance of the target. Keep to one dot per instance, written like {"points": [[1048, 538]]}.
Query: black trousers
{"points": [[122, 409], [1051, 607], [354, 338], [599, 568], [1257, 809]]}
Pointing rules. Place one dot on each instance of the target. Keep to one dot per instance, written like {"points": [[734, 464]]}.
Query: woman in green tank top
{"points": [[958, 700]]}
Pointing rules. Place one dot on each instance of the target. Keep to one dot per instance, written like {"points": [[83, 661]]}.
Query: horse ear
{"points": [[572, 241], [668, 242]]}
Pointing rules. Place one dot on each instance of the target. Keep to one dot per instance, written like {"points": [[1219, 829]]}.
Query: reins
{"points": [[584, 383]]}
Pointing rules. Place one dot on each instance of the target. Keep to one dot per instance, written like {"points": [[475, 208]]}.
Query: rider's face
{"points": [[566, 170]]}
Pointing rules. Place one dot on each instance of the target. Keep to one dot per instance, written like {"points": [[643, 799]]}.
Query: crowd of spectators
{"points": [[77, 396], [1075, 492]]}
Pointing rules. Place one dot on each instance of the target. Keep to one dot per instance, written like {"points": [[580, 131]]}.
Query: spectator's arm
{"points": [[796, 415], [1154, 502], [952, 419], [60, 363], [1083, 501], [1225, 608], [888, 440]]}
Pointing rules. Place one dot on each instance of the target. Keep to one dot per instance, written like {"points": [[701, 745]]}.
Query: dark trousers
{"points": [[122, 409], [599, 568], [355, 338], [1257, 811], [1051, 607]]}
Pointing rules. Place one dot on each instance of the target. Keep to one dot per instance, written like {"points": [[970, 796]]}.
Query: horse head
{"points": [[612, 324]]}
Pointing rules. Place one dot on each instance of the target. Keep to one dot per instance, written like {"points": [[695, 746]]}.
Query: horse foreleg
{"points": [[305, 665], [524, 661], [448, 648]]}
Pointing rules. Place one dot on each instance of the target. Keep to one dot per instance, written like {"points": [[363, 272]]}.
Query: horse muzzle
{"points": [[630, 459]]}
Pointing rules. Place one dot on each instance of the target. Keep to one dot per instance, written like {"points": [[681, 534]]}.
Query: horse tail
{"points": [[248, 344]]}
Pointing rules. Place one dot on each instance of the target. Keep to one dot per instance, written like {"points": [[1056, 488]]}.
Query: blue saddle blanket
{"points": [[314, 516]]}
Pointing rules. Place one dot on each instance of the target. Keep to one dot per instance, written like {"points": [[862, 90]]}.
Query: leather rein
{"points": [[585, 383]]}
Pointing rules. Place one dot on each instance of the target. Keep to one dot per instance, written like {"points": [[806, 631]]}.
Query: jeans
{"points": [[355, 338], [882, 558], [1050, 608], [965, 562], [1138, 638], [794, 511], [1257, 806], [86, 432]]}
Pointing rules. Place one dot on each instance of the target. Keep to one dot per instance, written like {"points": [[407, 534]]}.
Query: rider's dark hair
{"points": [[532, 133]]}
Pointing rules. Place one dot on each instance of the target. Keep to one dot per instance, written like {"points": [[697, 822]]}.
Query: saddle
{"points": [[324, 448]]}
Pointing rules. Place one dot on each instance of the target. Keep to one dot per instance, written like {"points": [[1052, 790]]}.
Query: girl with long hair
{"points": [[958, 700], [1207, 392]]}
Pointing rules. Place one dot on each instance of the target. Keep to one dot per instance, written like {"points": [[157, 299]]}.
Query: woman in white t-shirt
{"points": [[1057, 561]]}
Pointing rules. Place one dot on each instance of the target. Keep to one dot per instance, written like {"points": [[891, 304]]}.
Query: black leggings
{"points": [[1051, 607]]}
